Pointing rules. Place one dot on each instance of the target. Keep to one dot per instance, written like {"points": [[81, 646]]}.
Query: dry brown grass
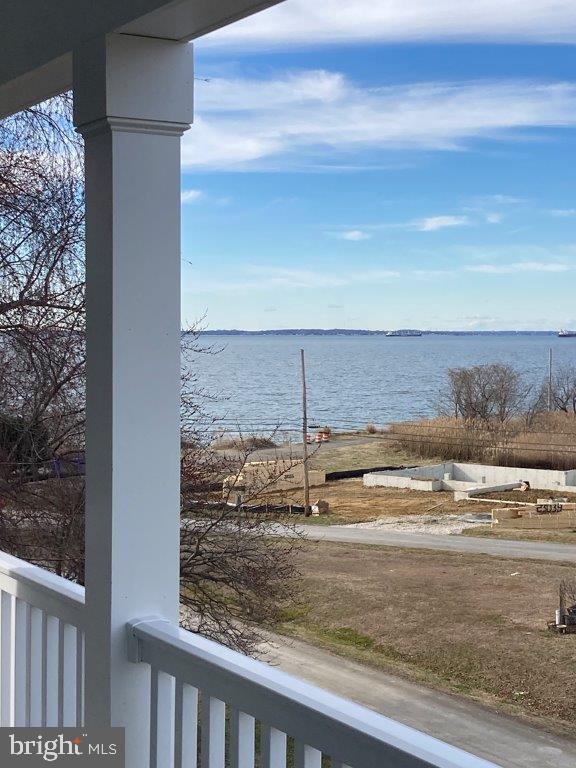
{"points": [[522, 534], [250, 443], [460, 622], [549, 442], [350, 452]]}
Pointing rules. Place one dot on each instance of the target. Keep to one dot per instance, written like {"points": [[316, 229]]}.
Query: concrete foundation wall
{"points": [[477, 478], [483, 474], [383, 480]]}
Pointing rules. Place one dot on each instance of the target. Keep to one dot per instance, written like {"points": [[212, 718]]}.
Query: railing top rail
{"points": [[42, 589], [338, 727]]}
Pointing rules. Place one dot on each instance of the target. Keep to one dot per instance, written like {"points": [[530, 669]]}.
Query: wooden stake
{"points": [[307, 510]]}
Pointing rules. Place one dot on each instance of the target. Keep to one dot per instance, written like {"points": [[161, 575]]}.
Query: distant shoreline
{"points": [[361, 332]]}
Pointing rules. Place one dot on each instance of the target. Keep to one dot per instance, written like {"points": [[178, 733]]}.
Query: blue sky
{"points": [[384, 164]]}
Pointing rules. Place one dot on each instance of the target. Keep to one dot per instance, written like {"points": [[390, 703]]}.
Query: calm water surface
{"points": [[353, 380]]}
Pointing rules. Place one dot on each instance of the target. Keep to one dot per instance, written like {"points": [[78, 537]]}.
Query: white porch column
{"points": [[133, 100]]}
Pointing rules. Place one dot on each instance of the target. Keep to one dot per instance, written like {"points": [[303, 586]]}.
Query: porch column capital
{"points": [[133, 83]]}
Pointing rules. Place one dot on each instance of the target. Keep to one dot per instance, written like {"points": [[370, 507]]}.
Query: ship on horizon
{"points": [[404, 332], [563, 334]]}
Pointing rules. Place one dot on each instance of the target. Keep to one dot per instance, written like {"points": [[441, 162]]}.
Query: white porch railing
{"points": [[209, 706], [41, 647], [232, 697]]}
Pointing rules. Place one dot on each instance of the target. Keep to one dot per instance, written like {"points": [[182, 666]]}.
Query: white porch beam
{"points": [[38, 37], [133, 100]]}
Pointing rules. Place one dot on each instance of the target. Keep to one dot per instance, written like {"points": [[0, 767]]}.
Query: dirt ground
{"points": [[351, 502], [471, 624]]}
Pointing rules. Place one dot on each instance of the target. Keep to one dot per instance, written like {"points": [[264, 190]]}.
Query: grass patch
{"points": [[250, 443], [471, 624], [360, 452], [348, 636]]}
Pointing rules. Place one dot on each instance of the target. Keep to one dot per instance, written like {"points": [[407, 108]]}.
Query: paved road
{"points": [[501, 739], [532, 550]]}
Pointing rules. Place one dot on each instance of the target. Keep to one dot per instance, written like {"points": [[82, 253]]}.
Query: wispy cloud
{"points": [[563, 213], [484, 201], [434, 223], [263, 278], [329, 21], [519, 267], [432, 274], [296, 120], [354, 235], [485, 207], [190, 195]]}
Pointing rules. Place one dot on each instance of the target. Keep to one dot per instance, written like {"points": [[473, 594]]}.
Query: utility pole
{"points": [[550, 381], [307, 510]]}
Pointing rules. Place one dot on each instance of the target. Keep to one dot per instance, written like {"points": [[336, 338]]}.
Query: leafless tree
{"points": [[41, 219], [42, 288], [235, 576], [491, 393], [564, 389]]}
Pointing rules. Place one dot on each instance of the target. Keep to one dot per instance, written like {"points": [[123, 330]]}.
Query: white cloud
{"points": [[190, 195], [434, 223], [563, 212], [519, 267], [354, 235], [265, 278], [432, 274], [298, 22], [500, 199], [323, 120], [494, 218]]}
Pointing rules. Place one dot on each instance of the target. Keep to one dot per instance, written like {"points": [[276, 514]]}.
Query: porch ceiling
{"points": [[38, 37]]}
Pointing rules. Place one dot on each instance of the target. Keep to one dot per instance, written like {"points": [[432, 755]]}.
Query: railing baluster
{"points": [[37, 618], [165, 716], [241, 739], [6, 667], [68, 675], [20, 638], [60, 669], [306, 757], [79, 677], [273, 748], [153, 716], [161, 719], [186, 726], [213, 732], [51, 671]]}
